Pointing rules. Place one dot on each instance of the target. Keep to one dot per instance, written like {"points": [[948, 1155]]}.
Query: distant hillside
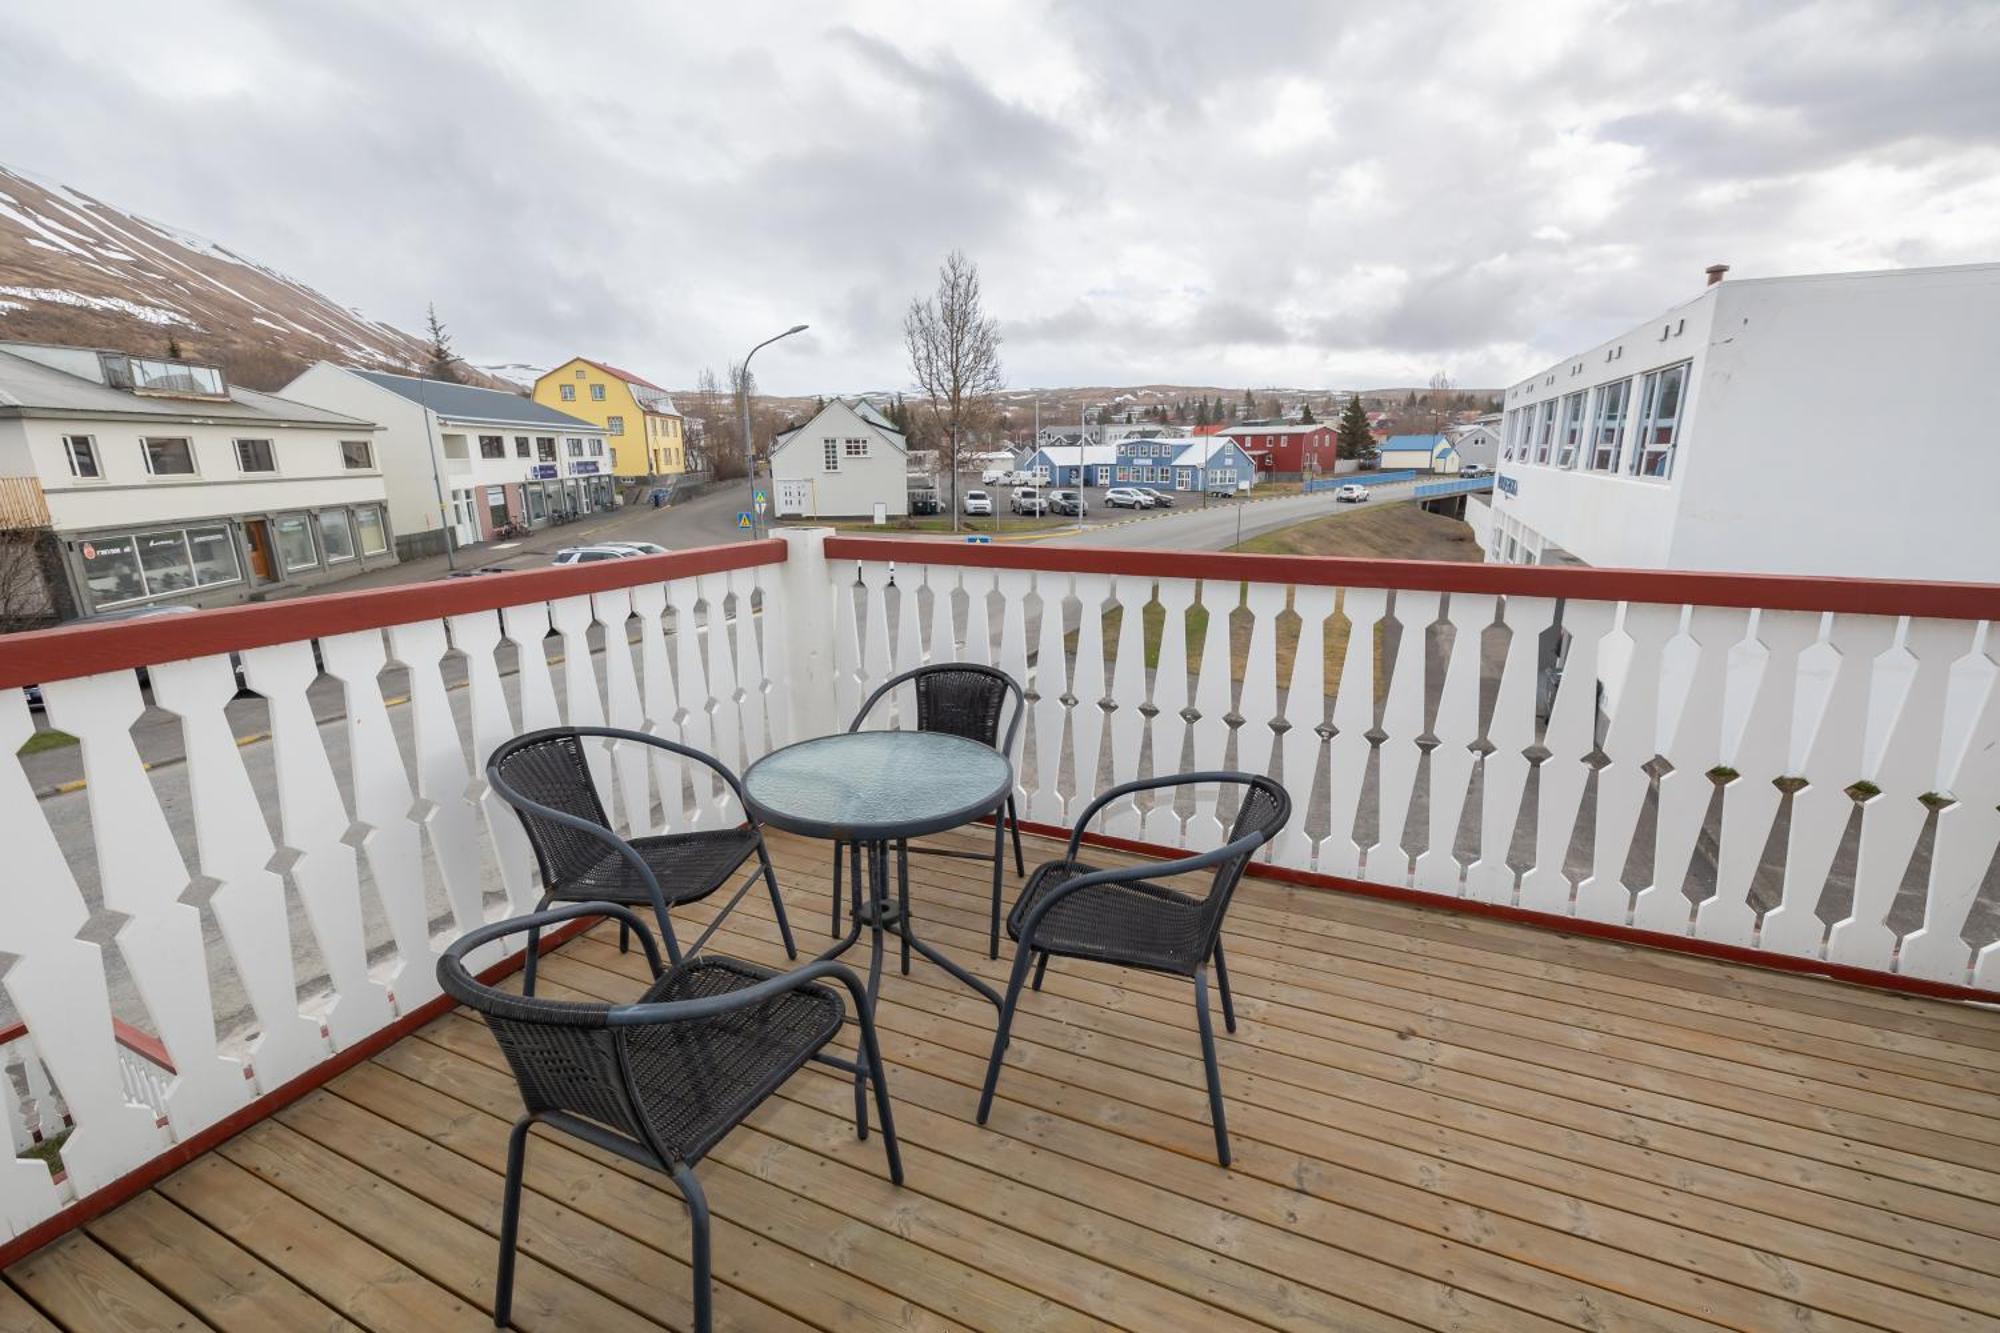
{"points": [[74, 269]]}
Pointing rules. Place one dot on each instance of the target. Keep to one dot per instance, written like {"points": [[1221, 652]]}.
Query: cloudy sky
{"points": [[1248, 193]]}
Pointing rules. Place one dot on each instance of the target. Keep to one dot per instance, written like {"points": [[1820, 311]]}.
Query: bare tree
{"points": [[1437, 402], [26, 600], [954, 356], [718, 426]]}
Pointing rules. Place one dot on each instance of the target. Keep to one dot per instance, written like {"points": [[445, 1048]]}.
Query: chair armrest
{"points": [[1122, 874], [1105, 798], [711, 1006], [662, 743], [452, 961]]}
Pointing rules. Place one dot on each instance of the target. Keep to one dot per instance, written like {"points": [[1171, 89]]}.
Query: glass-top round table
{"points": [[872, 789]]}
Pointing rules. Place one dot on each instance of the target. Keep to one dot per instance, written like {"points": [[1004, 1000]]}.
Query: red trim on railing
{"points": [[143, 1178], [142, 1044], [1562, 925], [85, 649], [1772, 592], [13, 1032]]}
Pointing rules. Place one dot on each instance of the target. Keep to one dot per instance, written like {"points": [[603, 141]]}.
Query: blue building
{"points": [[1213, 462], [1073, 464]]}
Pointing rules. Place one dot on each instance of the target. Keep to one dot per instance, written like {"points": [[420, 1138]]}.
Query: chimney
{"points": [[1715, 272]]}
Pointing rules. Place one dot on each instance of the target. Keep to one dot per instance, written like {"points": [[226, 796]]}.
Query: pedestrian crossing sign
{"points": [[743, 519]]}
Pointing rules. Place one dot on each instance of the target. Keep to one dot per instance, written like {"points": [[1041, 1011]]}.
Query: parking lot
{"points": [[1096, 511]]}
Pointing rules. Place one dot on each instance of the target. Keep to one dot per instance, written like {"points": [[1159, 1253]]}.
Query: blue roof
{"points": [[1406, 443], [468, 402]]}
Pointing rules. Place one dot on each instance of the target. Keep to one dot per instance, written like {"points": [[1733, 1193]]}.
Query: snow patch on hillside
{"points": [[149, 314]]}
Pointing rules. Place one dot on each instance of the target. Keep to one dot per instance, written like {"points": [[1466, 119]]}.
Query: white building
{"points": [[848, 460], [128, 481], [1478, 444], [1805, 425], [494, 457]]}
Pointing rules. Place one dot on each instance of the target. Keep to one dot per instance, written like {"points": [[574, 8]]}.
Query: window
{"points": [[82, 452], [1545, 429], [579, 374], [1608, 427], [545, 448], [295, 542], [520, 446], [492, 446], [111, 569], [576, 446], [596, 448], [1572, 429], [597, 393], [336, 535], [169, 458], [255, 456], [832, 452], [214, 552], [616, 425], [1659, 421], [164, 558], [568, 391], [357, 454], [854, 448], [368, 522]]}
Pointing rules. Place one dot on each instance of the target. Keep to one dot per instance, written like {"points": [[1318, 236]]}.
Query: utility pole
{"points": [[749, 445]]}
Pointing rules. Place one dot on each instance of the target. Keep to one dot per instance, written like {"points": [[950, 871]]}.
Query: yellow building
{"points": [[641, 423]]}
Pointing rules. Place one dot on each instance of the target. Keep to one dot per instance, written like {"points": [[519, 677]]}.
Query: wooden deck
{"points": [[1439, 1122]]}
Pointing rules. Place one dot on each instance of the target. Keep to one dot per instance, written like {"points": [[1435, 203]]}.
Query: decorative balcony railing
{"points": [[1794, 770]]}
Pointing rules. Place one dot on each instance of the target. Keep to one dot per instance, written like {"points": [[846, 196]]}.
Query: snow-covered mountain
{"points": [[74, 269]]}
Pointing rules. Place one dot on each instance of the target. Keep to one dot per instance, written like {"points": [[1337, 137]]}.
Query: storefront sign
{"points": [[583, 467], [542, 472], [1508, 485]]}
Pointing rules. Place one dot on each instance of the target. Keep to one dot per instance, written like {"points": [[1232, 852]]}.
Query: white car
{"points": [[638, 548], [583, 555], [978, 502], [997, 476], [1127, 497], [1351, 494], [1028, 500]]}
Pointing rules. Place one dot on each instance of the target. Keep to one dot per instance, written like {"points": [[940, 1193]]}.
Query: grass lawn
{"points": [[48, 1152], [1393, 532], [46, 739]]}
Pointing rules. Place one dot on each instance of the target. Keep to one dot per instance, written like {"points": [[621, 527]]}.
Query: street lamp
{"points": [[749, 446]]}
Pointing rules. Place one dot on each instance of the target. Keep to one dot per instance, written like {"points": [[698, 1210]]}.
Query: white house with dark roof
{"points": [[464, 460], [129, 481], [847, 461]]}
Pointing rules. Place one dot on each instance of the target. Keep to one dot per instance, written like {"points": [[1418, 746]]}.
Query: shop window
{"points": [[214, 553], [368, 523], [295, 542], [336, 535]]}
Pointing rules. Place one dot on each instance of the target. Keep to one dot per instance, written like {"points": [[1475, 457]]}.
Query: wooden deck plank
{"points": [[205, 1271], [1851, 1168], [1440, 1122], [369, 1286], [82, 1286], [1626, 1243]]}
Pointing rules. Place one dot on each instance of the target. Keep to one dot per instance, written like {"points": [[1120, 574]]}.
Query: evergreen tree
{"points": [[1353, 439], [1249, 404], [1306, 416], [440, 362]]}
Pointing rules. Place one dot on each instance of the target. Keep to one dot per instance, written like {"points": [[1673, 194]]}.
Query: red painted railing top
{"points": [[85, 649], [1773, 592]]}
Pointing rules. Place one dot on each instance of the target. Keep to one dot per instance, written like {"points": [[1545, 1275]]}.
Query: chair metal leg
{"points": [[1208, 1062], [697, 1202], [872, 1055], [1041, 967], [1021, 955], [1014, 823], [903, 900], [835, 931], [510, 1221], [1222, 985], [999, 867], [778, 903]]}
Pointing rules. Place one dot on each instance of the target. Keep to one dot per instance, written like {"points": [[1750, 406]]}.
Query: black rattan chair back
{"points": [[959, 699], [549, 769], [1265, 810]]}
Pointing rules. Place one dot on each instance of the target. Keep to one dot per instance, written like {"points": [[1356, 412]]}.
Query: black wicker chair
{"points": [[1073, 910], [661, 1080], [545, 776], [961, 699]]}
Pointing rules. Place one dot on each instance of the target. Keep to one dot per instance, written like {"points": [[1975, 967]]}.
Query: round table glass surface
{"points": [[876, 785]]}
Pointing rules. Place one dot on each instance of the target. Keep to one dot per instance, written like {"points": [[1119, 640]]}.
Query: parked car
{"points": [[1020, 478], [1475, 470], [1127, 497], [581, 555], [1029, 500], [996, 476], [1351, 494], [1161, 499], [1071, 503], [925, 502], [978, 502], [638, 548]]}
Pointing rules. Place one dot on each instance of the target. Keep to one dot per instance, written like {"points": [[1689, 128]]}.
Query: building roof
{"points": [[860, 407], [1411, 444], [468, 402], [1279, 427], [29, 387], [1199, 452], [1080, 455], [656, 398]]}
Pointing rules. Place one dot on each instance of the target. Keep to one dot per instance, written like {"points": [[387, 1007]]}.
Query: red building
{"points": [[1290, 448]]}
